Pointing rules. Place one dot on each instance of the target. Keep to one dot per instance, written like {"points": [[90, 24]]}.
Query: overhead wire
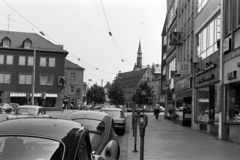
{"points": [[90, 66]]}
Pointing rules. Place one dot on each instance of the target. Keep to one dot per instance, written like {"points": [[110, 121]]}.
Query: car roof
{"points": [[89, 115], [111, 109], [42, 127], [30, 106]]}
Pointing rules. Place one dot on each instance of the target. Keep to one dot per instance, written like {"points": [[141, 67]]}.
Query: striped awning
{"points": [[36, 94], [17, 94], [51, 95]]}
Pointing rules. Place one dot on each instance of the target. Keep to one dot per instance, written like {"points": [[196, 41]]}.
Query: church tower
{"points": [[139, 56]]}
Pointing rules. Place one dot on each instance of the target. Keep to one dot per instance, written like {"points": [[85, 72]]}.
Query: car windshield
{"points": [[112, 113], [29, 148], [92, 125], [26, 111]]}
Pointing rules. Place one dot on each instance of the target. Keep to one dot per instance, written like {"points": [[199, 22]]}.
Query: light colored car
{"points": [[118, 118], [14, 105], [29, 111], [6, 107]]}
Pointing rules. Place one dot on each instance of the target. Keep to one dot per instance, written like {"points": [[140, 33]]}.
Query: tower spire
{"points": [[139, 56]]}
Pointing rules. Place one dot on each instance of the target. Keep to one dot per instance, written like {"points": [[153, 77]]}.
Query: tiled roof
{"points": [[71, 65], [131, 78], [17, 39]]}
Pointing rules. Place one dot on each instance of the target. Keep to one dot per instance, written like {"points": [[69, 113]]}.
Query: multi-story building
{"points": [[74, 86], [17, 69]]}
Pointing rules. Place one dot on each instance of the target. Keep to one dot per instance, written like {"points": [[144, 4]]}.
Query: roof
{"points": [[71, 65], [17, 39], [44, 127], [131, 78], [88, 115], [30, 106], [111, 109]]}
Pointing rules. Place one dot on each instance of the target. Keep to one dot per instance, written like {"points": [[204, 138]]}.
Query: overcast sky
{"points": [[82, 28]]}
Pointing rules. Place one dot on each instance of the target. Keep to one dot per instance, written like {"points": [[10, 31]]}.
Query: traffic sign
{"points": [[175, 39]]}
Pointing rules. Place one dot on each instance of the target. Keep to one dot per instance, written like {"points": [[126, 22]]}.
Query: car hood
{"points": [[20, 116]]}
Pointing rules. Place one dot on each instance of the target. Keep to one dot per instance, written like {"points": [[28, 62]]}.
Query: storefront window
{"points": [[233, 104], [203, 104]]}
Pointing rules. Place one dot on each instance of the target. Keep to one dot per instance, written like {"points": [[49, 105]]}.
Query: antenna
{"points": [[9, 15]]}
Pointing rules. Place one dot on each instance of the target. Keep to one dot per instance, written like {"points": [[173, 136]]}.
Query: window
{"points": [[27, 44], [22, 60], [30, 60], [171, 67], [208, 37], [43, 61], [1, 59], [51, 62], [73, 75], [46, 80], [6, 42], [5, 78], [72, 89], [203, 104], [9, 59], [25, 79], [201, 4]]}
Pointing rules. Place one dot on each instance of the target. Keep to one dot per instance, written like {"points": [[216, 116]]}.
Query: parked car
{"points": [[44, 139], [29, 111], [101, 129], [14, 105], [128, 109], [118, 117], [6, 107]]}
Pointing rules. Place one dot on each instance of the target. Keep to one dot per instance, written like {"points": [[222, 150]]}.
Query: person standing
{"points": [[156, 110], [63, 106]]}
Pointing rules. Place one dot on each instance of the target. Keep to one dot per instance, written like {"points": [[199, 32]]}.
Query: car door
{"points": [[84, 150]]}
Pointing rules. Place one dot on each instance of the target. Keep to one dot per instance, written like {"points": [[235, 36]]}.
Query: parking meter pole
{"points": [[142, 123], [142, 148], [135, 132]]}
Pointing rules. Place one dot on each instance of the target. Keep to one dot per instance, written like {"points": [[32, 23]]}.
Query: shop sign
{"points": [[226, 45], [183, 84], [207, 78], [232, 75], [209, 66], [184, 67], [167, 85], [175, 39]]}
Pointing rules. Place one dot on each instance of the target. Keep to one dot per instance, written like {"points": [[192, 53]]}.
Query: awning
{"points": [[51, 95], [17, 94], [36, 94]]}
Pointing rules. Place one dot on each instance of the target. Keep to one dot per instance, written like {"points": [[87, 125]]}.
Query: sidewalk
{"points": [[165, 140]]}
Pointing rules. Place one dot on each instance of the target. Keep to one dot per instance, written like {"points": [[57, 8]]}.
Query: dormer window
{"points": [[27, 44], [6, 42]]}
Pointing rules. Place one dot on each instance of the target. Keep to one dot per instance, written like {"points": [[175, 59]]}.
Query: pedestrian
{"points": [[156, 110], [63, 107]]}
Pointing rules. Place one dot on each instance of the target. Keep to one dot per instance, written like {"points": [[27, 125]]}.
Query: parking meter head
{"points": [[142, 121]]}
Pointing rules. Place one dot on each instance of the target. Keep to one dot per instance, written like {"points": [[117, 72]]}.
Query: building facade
{"points": [[74, 88], [17, 69]]}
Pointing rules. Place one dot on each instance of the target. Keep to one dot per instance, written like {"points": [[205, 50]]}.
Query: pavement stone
{"points": [[165, 140]]}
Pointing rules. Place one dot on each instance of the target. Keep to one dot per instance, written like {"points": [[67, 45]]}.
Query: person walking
{"points": [[156, 110], [63, 106]]}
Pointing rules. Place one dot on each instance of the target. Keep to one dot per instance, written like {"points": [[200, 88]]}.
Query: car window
{"points": [[26, 111], [26, 148], [84, 151], [41, 111], [92, 125]]}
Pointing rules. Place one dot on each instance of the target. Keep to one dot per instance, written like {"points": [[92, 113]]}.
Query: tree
{"points": [[96, 95], [145, 94], [116, 95]]}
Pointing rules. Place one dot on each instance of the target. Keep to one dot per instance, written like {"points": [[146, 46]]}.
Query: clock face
{"points": [[139, 55]]}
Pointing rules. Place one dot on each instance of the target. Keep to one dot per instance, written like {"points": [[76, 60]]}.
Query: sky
{"points": [[83, 26]]}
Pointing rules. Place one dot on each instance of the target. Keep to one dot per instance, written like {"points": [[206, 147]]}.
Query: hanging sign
{"points": [[184, 67]]}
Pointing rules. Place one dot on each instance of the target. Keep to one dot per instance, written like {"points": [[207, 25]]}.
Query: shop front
{"points": [[207, 85], [232, 99], [170, 99], [183, 91]]}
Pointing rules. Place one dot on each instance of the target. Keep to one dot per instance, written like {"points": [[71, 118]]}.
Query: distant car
{"points": [[128, 109], [14, 105], [118, 117], [29, 111], [6, 107], [44, 139], [101, 129]]}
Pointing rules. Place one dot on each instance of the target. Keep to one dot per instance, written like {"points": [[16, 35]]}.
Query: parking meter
{"points": [[142, 123]]}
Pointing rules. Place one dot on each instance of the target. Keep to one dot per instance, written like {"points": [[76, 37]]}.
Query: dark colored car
{"points": [[44, 139], [118, 117], [29, 111], [102, 133]]}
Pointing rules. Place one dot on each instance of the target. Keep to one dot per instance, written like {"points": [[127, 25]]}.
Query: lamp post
{"points": [[34, 68]]}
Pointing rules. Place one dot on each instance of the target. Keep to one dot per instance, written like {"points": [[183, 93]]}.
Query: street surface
{"points": [[165, 140]]}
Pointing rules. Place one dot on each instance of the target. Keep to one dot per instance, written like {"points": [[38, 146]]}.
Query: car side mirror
{"points": [[97, 157]]}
